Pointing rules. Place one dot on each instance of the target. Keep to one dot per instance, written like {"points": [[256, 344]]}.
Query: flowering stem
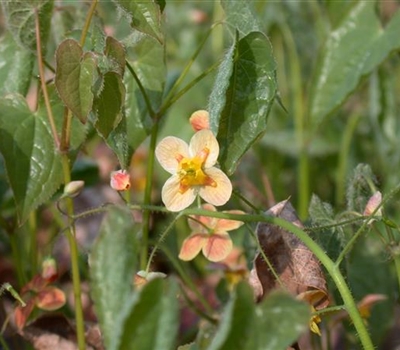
{"points": [[87, 22], [189, 64], [161, 239], [169, 102], [80, 326], [355, 237], [147, 195], [142, 90], [43, 81]]}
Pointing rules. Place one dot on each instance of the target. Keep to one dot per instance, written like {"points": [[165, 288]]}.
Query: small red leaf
{"points": [[50, 298], [21, 314]]}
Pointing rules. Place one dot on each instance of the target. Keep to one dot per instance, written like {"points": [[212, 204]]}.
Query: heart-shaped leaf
{"points": [[32, 161], [241, 16], [352, 50], [242, 96], [75, 74], [16, 66], [21, 18], [107, 106], [145, 16], [112, 266]]}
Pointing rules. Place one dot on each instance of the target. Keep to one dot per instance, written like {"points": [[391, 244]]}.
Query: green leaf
{"points": [[115, 52], [149, 320], [20, 16], [359, 188], [33, 164], [356, 47], [241, 16], [112, 266], [75, 75], [16, 66], [279, 321], [242, 97], [237, 321], [136, 123], [107, 106], [369, 273], [145, 16], [331, 239]]}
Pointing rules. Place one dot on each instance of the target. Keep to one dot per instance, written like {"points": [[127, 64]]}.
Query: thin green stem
{"points": [[87, 22], [33, 249], [298, 110], [187, 280], [396, 259], [188, 66], [168, 103], [43, 81], [8, 287], [80, 326], [142, 90], [16, 255], [357, 235], [343, 157], [265, 258], [159, 241], [147, 195]]}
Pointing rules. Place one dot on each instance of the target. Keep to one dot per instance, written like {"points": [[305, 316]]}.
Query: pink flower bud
{"points": [[373, 203], [120, 180], [200, 120]]}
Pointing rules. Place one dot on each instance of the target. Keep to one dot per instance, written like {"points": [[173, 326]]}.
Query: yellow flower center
{"points": [[191, 172]]}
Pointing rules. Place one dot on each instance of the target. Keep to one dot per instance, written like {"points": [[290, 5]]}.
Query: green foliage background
{"points": [[299, 93]]}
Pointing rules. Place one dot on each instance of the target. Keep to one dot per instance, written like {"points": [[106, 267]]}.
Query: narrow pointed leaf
{"points": [[150, 319], [242, 96], [356, 47], [236, 322], [20, 17], [241, 16], [16, 66], [108, 105], [145, 16], [112, 266], [75, 74]]}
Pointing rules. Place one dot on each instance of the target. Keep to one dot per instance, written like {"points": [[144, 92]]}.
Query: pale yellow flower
{"points": [[210, 236], [193, 171]]}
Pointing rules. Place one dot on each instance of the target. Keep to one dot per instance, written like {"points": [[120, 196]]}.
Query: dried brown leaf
{"points": [[296, 268]]}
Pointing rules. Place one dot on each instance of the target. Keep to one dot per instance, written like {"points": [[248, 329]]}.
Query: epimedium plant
{"points": [[118, 89]]}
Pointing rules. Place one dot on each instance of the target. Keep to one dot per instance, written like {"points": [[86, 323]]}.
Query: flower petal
{"points": [[172, 198], [220, 194], [207, 221], [21, 314], [169, 151], [192, 245], [218, 246], [205, 139], [229, 225]]}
